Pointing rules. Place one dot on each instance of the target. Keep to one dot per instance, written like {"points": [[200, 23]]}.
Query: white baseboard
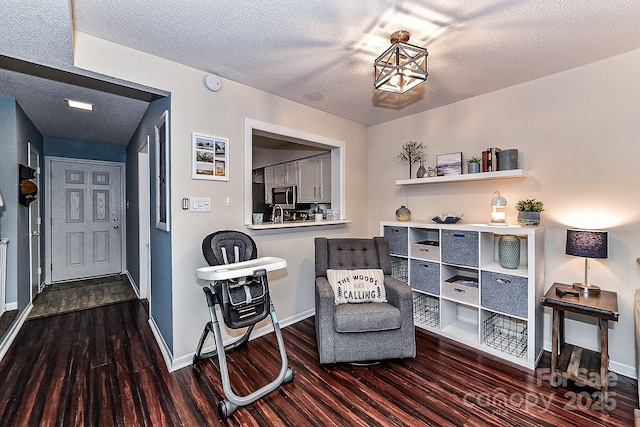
{"points": [[626, 370], [133, 284], [618, 368], [187, 359], [15, 328], [11, 306], [164, 348]]}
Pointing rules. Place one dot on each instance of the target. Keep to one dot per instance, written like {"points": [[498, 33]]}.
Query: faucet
{"points": [[274, 217]]}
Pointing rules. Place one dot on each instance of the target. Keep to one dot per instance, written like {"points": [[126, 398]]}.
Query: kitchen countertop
{"points": [[295, 224]]}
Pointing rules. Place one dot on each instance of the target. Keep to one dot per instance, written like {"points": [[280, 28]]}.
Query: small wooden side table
{"points": [[577, 363]]}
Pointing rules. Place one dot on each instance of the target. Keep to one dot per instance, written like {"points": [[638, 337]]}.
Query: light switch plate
{"points": [[200, 204]]}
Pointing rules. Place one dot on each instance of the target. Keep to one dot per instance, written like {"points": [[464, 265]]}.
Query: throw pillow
{"points": [[357, 286]]}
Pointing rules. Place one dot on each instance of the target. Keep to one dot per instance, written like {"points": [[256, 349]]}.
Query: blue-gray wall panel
{"points": [[60, 147], [9, 189], [25, 132], [161, 270], [16, 131]]}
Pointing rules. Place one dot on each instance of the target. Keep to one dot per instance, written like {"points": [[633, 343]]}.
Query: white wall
{"points": [[578, 134], [196, 109], [265, 157]]}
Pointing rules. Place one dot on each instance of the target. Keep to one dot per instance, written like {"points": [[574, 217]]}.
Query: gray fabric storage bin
{"points": [[398, 238], [505, 293], [459, 247], [425, 250], [463, 292], [425, 276]]}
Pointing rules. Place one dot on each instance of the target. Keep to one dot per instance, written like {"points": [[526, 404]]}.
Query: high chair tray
{"points": [[240, 269]]}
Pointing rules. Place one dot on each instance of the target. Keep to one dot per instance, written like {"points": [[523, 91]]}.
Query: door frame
{"points": [[48, 214], [144, 222], [34, 151]]}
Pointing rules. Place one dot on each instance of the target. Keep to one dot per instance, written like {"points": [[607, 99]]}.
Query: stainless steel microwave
{"points": [[285, 196]]}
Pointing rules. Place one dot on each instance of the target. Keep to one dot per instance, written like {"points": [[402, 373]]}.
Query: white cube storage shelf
{"points": [[462, 292]]}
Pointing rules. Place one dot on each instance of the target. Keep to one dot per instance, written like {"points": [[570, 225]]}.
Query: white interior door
{"points": [[34, 226], [144, 223], [86, 219]]}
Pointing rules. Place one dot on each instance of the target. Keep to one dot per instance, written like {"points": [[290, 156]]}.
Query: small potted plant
{"points": [[529, 211], [473, 164]]}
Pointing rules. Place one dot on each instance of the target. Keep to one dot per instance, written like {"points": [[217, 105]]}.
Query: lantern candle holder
{"points": [[498, 209]]}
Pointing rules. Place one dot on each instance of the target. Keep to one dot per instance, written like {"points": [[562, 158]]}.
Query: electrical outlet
{"points": [[200, 204]]}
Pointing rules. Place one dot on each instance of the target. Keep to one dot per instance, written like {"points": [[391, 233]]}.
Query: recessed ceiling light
{"points": [[79, 105]]}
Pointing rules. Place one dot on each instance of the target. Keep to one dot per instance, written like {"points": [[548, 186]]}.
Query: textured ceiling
{"points": [[43, 100], [320, 53], [36, 68], [325, 49]]}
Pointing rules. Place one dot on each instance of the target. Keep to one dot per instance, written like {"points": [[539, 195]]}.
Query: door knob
{"points": [[115, 227], [35, 233]]}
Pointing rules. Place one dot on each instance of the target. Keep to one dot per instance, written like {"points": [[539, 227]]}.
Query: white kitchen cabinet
{"points": [[285, 174], [269, 183], [291, 173], [314, 179], [278, 175], [307, 190], [462, 292], [325, 178]]}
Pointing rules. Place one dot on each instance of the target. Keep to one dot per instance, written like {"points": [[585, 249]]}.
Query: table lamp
{"points": [[587, 244], [498, 205]]}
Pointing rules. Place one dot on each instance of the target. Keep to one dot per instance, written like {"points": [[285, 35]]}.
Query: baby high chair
{"points": [[237, 282]]}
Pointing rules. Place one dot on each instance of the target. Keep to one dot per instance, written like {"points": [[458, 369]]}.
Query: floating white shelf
{"points": [[482, 176]]}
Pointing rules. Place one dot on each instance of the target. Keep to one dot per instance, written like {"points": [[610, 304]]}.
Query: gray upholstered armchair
{"points": [[368, 331]]}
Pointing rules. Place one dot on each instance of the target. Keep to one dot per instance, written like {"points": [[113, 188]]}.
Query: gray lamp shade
{"points": [[587, 244]]}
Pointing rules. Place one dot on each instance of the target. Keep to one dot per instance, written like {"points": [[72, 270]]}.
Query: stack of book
{"points": [[490, 159]]}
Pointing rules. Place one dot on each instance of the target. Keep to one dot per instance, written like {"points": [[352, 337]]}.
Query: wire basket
{"points": [[506, 334], [426, 310], [399, 269]]}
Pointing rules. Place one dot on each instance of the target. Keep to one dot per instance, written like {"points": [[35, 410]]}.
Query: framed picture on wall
{"points": [[449, 164], [210, 157]]}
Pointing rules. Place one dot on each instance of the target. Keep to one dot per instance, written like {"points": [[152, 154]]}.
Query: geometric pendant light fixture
{"points": [[401, 67]]}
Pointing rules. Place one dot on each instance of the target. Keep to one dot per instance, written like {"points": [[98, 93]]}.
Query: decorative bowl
{"points": [[446, 220]]}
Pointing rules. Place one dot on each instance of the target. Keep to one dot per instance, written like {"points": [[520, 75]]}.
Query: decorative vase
{"points": [[403, 213], [421, 170], [473, 168], [528, 218], [509, 251], [508, 159]]}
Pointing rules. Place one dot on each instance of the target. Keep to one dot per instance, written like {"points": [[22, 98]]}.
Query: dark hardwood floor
{"points": [[102, 367]]}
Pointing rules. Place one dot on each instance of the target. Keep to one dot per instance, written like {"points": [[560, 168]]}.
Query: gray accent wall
{"points": [[161, 269], [88, 150], [26, 132], [9, 189], [16, 131]]}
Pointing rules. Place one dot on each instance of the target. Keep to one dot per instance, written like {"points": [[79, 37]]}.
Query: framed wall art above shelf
{"points": [[482, 176]]}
